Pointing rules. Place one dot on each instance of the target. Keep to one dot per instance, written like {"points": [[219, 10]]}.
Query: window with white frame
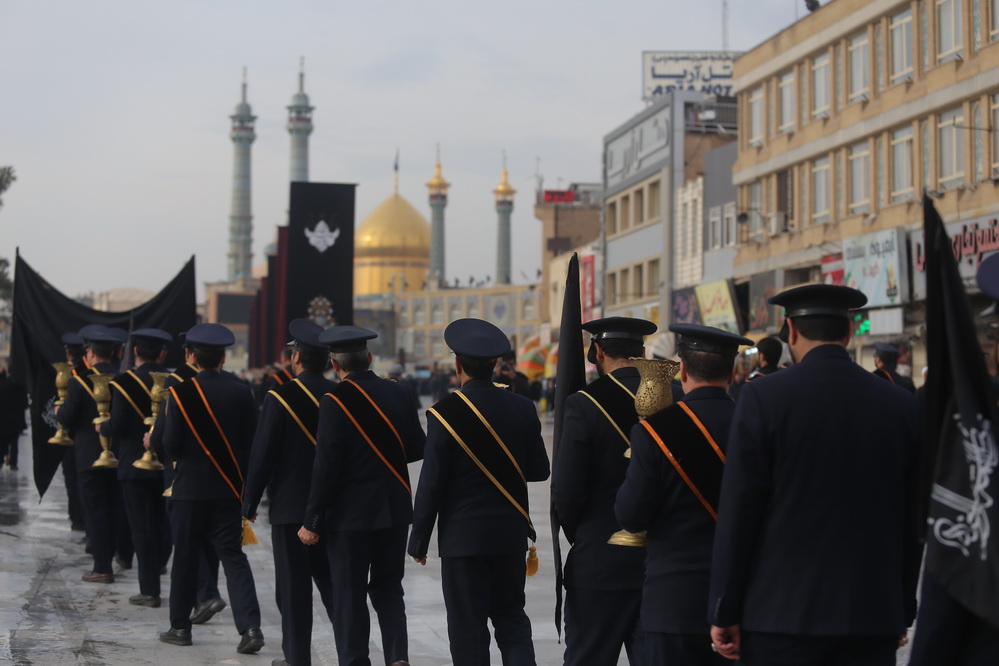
{"points": [[950, 35], [901, 46], [820, 85], [860, 177], [729, 220], [820, 191], [859, 58], [756, 117], [756, 210], [715, 227], [993, 20], [902, 165], [950, 148], [436, 313], [785, 95]]}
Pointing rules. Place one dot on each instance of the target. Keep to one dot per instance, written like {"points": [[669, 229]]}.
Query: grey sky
{"points": [[115, 115]]}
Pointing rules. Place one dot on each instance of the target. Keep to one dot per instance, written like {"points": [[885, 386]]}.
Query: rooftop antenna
{"points": [[725, 25]]}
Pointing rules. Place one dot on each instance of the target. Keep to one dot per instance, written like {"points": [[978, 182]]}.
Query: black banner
{"points": [[42, 314]]}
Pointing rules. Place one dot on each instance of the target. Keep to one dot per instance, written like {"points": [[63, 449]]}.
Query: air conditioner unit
{"points": [[777, 223]]}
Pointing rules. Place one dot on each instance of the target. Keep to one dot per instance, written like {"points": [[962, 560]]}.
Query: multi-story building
{"points": [[846, 118]]}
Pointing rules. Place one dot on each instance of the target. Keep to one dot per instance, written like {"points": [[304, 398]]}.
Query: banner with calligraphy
{"points": [[875, 264], [717, 306], [684, 308], [709, 72], [971, 241]]}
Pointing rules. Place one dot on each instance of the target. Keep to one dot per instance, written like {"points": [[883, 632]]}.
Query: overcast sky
{"points": [[115, 115]]}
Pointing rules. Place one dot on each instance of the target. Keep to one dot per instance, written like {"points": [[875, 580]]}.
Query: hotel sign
{"points": [[709, 72]]}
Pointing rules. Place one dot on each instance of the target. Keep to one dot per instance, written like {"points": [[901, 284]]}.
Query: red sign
{"points": [[560, 196]]}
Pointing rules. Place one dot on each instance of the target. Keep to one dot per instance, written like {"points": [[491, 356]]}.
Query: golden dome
{"points": [[504, 190], [391, 249], [437, 184]]}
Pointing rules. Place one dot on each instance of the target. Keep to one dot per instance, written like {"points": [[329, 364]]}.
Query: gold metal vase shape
{"points": [[157, 395], [102, 396], [64, 372], [654, 394]]}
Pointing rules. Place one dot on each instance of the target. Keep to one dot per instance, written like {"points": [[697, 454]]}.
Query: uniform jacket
{"points": [[281, 458], [127, 430], [352, 489], [78, 414], [895, 378], [681, 531], [817, 533], [196, 476], [474, 517], [585, 478]]}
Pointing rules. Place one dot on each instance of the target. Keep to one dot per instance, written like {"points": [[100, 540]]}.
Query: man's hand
{"points": [[727, 641], [308, 537], [422, 561], [97, 428], [145, 440]]}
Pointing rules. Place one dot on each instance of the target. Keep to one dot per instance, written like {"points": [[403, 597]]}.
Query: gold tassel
{"points": [[249, 538], [532, 561]]}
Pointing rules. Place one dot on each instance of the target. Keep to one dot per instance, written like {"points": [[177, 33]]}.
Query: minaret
{"points": [[504, 207], [240, 219], [438, 201], [300, 127]]}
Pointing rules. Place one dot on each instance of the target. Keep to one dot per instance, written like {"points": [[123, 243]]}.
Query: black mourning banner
{"points": [[42, 315], [962, 550]]}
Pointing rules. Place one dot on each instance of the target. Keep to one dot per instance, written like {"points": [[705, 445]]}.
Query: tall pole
{"points": [[504, 208], [241, 218], [438, 188]]}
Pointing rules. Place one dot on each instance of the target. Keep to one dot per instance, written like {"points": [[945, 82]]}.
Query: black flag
{"points": [[962, 555], [42, 314], [570, 377]]}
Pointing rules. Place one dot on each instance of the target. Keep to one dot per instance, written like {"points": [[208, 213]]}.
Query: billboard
{"points": [[717, 306], [709, 72], [972, 241], [875, 264]]}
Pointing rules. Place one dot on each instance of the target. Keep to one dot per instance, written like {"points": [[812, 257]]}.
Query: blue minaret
{"points": [[300, 127], [438, 188], [504, 208], [240, 218]]}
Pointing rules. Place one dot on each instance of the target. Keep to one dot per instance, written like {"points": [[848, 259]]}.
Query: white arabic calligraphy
{"points": [[322, 238]]}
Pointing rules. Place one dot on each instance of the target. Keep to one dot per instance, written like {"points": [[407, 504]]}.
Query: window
{"points": [[901, 46], [419, 314], [655, 199], [950, 146], [785, 93], [473, 308], [714, 227], [638, 281], [612, 218], [653, 276], [403, 315], [756, 210], [729, 230], [820, 191], [624, 222], [858, 57], [949, 31], [437, 313], [785, 195], [901, 165], [454, 312], [611, 288], [820, 86], [994, 20], [529, 309], [623, 285], [437, 347], [756, 117], [860, 178], [639, 206]]}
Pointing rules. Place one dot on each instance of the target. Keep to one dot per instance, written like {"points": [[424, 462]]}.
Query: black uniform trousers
{"points": [[208, 564], [124, 548], [487, 587], [72, 488], [295, 567], [368, 564], [145, 506], [99, 497], [948, 633], [220, 523], [598, 623], [682, 649], [766, 649]]}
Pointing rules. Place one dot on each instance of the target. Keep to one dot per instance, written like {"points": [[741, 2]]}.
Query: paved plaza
{"points": [[48, 616]]}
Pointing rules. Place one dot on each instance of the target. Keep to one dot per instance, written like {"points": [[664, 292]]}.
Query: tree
{"points": [[7, 177]]}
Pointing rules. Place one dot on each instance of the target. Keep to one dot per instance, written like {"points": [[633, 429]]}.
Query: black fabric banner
{"points": [[961, 456], [42, 314]]}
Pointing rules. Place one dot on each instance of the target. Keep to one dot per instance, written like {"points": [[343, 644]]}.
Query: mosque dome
{"points": [[391, 249], [300, 99], [243, 109]]}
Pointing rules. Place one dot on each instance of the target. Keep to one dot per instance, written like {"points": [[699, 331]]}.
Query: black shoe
{"points": [[122, 562], [78, 527], [94, 577], [150, 600], [176, 637], [205, 610], [252, 641]]}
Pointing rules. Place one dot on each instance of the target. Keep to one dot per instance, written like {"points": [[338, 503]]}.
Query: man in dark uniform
{"points": [[209, 426], [281, 461], [816, 553], [98, 486], [360, 497], [886, 360], [142, 489], [73, 346], [603, 581], [484, 444], [672, 492], [13, 402], [769, 351]]}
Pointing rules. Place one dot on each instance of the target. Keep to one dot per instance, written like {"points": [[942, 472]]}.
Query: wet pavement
{"points": [[49, 617]]}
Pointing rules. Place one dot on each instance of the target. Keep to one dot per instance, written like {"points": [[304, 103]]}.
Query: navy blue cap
{"points": [[120, 334], [819, 299], [346, 339], [97, 333], [305, 333], [210, 335], [627, 328], [476, 338], [696, 337], [71, 339], [988, 277], [153, 334]]}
